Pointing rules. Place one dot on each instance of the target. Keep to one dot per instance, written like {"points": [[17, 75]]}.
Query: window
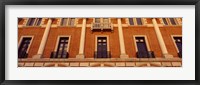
{"points": [[131, 21], [102, 50], [139, 21], [22, 51], [178, 42], [97, 20], [34, 21], [67, 22], [62, 48], [169, 21], [71, 21], [172, 20], [165, 21], [142, 51], [135, 21]]}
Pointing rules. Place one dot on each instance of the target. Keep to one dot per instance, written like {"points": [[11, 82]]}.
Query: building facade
{"points": [[100, 42]]}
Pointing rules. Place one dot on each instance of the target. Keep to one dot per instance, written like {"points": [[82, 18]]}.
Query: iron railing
{"points": [[99, 54], [59, 55], [143, 54], [23, 55], [102, 26]]}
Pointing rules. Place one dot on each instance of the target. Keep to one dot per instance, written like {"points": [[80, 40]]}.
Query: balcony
{"points": [[180, 54], [22, 55], [149, 54], [101, 27], [59, 55], [99, 54]]}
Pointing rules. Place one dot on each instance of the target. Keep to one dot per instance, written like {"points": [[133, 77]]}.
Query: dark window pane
{"points": [[172, 21], [131, 21], [139, 21], [165, 21], [62, 46], [31, 21], [23, 48], [178, 41], [102, 47], [142, 48], [39, 20]]}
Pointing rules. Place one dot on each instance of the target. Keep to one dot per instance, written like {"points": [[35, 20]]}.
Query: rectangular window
{"points": [[71, 22], [62, 48], [142, 48], [172, 20], [34, 21], [64, 22], [30, 21], [38, 21], [165, 21], [178, 42], [131, 21], [67, 22], [22, 51], [97, 20], [102, 48], [139, 21]]}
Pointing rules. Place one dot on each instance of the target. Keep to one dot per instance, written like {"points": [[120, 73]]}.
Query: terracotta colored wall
{"points": [[32, 31], [74, 42], [75, 33], [166, 34], [130, 47]]}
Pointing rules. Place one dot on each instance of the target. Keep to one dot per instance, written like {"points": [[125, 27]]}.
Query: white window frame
{"points": [[57, 42], [172, 37], [101, 20], [146, 42], [96, 42], [169, 22], [27, 36], [135, 21], [34, 24], [67, 23]]}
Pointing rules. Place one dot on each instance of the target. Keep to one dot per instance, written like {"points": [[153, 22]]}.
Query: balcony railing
{"points": [[149, 54], [99, 54], [102, 26], [59, 55], [180, 54], [23, 55]]}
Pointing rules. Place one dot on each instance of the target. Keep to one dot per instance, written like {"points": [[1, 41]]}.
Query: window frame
{"points": [[67, 23], [146, 42], [101, 20], [26, 36], [135, 23], [57, 42], [107, 37], [169, 21], [34, 24], [172, 37]]}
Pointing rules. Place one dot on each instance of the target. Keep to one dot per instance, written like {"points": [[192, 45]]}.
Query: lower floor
{"points": [[111, 62]]}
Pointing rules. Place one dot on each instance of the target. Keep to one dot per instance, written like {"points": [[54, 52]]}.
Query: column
{"points": [[121, 40], [82, 40], [160, 40], [43, 41]]}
